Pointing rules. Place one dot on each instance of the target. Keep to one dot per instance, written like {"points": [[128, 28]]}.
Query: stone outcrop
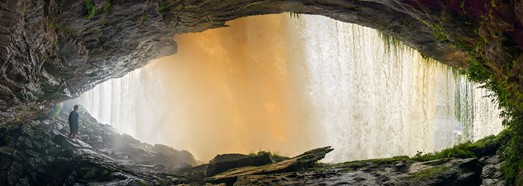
{"points": [[38, 152], [305, 160], [437, 172], [491, 174], [55, 50], [222, 163], [303, 170]]}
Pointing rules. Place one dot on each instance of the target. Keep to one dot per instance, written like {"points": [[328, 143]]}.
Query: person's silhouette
{"points": [[73, 122]]}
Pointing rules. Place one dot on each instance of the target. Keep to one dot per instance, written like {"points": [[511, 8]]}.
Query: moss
{"points": [[485, 146], [352, 165], [144, 17], [478, 72], [107, 6], [57, 110], [90, 7], [141, 182], [275, 157], [497, 70], [428, 172], [437, 28], [439, 34], [513, 162], [162, 6]]}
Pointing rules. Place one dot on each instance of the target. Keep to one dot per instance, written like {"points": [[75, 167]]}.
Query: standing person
{"points": [[73, 122]]}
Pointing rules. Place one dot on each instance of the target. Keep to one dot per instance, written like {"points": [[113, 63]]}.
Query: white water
{"points": [[129, 104], [377, 100], [349, 89]]}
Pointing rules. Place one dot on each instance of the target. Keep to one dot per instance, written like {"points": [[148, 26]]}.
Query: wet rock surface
{"points": [[392, 171], [222, 163], [491, 174], [375, 172], [39, 152], [440, 172], [302, 161]]}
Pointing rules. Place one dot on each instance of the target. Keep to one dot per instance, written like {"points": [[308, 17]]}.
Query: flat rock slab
{"points": [[436, 172], [224, 162], [301, 161], [66, 142]]}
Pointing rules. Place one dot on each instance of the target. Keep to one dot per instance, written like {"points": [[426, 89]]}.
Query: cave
{"points": [[56, 53]]}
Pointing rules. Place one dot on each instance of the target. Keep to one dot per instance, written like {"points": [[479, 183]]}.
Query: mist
{"points": [[289, 84], [231, 90]]}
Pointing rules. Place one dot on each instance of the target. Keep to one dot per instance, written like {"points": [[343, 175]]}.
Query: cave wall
{"points": [[55, 50]]}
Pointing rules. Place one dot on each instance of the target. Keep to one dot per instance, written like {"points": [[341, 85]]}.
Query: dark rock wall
{"points": [[52, 51], [38, 152], [55, 50]]}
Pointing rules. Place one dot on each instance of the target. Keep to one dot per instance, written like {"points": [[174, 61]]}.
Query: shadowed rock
{"points": [[373, 172], [224, 162], [38, 152]]}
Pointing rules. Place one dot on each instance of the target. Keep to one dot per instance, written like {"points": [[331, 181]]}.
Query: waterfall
{"points": [[358, 83], [129, 104], [290, 84]]}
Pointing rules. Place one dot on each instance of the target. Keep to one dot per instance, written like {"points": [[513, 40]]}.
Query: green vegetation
{"points": [[428, 172], [274, 156], [439, 34], [56, 110], [141, 182], [487, 145], [437, 28], [144, 17], [494, 61], [504, 83], [107, 6], [92, 11], [162, 6], [512, 164], [90, 6], [352, 165]]}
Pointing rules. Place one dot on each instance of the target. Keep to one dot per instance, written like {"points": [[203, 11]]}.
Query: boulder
{"points": [[224, 162], [302, 161]]}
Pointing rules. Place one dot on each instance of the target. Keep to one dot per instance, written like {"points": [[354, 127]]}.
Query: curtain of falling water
{"points": [[290, 84], [358, 83], [130, 104]]}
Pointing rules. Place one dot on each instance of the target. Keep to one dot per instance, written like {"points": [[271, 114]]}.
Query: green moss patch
{"points": [[275, 157], [428, 172]]}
